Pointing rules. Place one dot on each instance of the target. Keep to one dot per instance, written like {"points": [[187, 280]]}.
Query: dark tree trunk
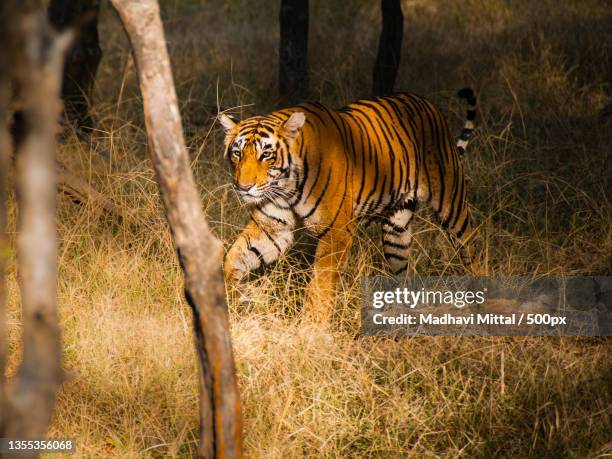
{"points": [[82, 60], [389, 47], [293, 52]]}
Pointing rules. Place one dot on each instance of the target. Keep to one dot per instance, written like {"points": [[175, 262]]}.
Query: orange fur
{"points": [[328, 169]]}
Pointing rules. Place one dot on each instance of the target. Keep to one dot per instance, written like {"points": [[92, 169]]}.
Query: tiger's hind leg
{"points": [[458, 225], [461, 236], [397, 236]]}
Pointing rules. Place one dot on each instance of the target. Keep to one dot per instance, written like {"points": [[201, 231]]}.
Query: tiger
{"points": [[328, 169]]}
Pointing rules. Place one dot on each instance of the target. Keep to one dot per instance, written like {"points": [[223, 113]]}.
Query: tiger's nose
{"points": [[245, 188]]}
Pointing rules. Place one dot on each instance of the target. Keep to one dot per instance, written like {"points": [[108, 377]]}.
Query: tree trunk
{"points": [[199, 252], [82, 60], [293, 52], [389, 48], [5, 95], [36, 63]]}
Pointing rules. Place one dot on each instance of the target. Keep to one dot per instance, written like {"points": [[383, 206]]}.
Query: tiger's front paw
{"points": [[236, 291], [232, 276], [242, 299], [238, 294]]}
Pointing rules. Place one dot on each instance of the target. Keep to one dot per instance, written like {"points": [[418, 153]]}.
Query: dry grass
{"points": [[540, 188]]}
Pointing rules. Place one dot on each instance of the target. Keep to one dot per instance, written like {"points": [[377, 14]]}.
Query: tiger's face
{"points": [[259, 149]]}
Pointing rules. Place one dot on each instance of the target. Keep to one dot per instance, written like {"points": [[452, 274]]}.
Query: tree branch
{"points": [[79, 190]]}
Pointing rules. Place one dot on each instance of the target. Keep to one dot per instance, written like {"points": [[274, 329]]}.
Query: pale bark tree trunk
{"points": [[389, 48], [199, 252], [5, 95], [36, 57]]}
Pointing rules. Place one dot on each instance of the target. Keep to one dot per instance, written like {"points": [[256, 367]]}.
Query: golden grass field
{"points": [[540, 186]]}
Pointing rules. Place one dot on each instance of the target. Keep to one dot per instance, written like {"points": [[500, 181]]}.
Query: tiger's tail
{"points": [[468, 127]]}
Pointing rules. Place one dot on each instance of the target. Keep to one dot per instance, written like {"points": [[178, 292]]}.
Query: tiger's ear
{"points": [[294, 124], [227, 122]]}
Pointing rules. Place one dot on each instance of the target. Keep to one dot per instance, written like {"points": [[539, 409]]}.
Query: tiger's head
{"points": [[260, 151]]}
